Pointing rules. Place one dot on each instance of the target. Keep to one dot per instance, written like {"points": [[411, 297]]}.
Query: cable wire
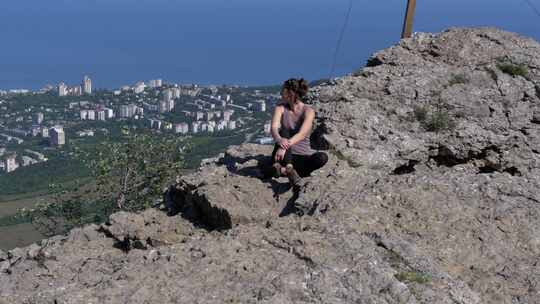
{"points": [[340, 39], [533, 7]]}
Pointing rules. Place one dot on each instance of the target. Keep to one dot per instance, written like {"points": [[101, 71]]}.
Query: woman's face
{"points": [[288, 96]]}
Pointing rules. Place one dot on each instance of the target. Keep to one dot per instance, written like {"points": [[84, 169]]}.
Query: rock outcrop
{"points": [[431, 195]]}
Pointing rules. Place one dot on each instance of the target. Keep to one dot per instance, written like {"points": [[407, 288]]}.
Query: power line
{"points": [[533, 7], [340, 39]]}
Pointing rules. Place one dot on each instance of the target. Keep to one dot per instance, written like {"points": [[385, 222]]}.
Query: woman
{"points": [[291, 129]]}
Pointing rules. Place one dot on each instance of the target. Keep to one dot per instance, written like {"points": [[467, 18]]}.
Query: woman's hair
{"points": [[299, 86]]}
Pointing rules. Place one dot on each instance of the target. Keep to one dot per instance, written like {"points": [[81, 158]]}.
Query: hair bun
{"points": [[299, 86]]}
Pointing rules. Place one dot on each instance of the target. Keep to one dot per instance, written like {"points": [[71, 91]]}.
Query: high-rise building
{"points": [[62, 89], [124, 111], [109, 113], [87, 85], [101, 115], [35, 130], [260, 106], [176, 92], [139, 87], [128, 111], [44, 132], [132, 109], [11, 163], [182, 128], [227, 115], [199, 115], [38, 118], [195, 127], [163, 106], [58, 137], [91, 115], [84, 114], [168, 95], [75, 91], [155, 83], [156, 124], [267, 127], [221, 125]]}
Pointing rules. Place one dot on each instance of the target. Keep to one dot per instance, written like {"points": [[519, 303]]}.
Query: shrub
{"points": [[413, 276], [362, 73], [420, 113], [433, 122], [513, 69], [458, 79], [439, 121]]}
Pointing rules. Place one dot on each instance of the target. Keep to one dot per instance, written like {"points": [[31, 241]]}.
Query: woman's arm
{"points": [[276, 123], [305, 128]]}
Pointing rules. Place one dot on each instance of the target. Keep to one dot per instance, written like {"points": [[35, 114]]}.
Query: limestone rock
{"points": [[430, 195]]}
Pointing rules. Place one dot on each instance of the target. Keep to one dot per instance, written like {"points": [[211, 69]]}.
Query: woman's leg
{"points": [[287, 159], [306, 164], [271, 169]]}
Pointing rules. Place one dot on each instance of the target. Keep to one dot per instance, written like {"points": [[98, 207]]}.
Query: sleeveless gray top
{"points": [[293, 124]]}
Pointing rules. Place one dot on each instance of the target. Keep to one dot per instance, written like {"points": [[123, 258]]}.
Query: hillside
{"points": [[430, 196]]}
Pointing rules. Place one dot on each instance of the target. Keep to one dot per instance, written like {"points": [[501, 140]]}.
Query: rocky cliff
{"points": [[431, 195]]}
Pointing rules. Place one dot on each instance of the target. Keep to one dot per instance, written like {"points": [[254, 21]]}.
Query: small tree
{"points": [[133, 174], [130, 175]]}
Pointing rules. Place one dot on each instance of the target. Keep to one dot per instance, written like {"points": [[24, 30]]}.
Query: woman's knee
{"points": [[320, 158]]}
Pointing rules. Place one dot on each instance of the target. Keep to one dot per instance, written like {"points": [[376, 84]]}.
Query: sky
{"points": [[247, 42]]}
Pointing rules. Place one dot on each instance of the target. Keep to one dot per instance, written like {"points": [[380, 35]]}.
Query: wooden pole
{"points": [[409, 18]]}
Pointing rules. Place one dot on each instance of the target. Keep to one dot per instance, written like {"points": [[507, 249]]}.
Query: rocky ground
{"points": [[430, 196]]}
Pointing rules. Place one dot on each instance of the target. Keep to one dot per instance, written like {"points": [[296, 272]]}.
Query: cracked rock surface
{"points": [[400, 214]]}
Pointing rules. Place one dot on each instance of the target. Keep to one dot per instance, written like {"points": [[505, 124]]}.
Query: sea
{"points": [[244, 42]]}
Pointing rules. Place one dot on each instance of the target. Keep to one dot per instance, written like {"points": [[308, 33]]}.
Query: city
{"points": [[33, 124]]}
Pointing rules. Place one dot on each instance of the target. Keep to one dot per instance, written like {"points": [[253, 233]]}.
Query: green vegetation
{"points": [[130, 175], [38, 177], [413, 277], [361, 72], [513, 69], [420, 113], [436, 121], [201, 147], [11, 220], [439, 121], [458, 79]]}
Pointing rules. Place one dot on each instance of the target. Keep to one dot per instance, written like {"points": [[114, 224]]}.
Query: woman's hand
{"points": [[284, 144], [280, 154]]}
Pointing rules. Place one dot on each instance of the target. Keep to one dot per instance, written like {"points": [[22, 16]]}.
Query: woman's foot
{"points": [[293, 176]]}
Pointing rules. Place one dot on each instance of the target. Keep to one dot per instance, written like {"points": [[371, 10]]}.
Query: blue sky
{"points": [[217, 41]]}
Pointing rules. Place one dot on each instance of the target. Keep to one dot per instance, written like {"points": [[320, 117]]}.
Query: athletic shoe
{"points": [[293, 176]]}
